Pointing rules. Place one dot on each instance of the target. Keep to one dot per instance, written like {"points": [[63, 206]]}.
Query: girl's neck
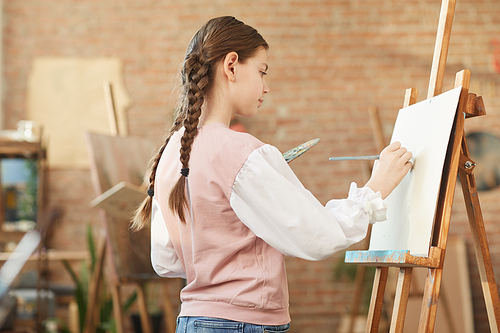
{"points": [[212, 118], [215, 110]]}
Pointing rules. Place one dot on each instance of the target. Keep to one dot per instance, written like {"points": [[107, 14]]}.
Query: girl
{"points": [[225, 208]]}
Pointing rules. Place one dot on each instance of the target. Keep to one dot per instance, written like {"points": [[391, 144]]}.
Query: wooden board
{"points": [[65, 97], [117, 166], [117, 159], [424, 128], [120, 200]]}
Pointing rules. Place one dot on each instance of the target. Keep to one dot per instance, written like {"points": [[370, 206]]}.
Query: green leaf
{"points": [[91, 245], [130, 300], [106, 310], [80, 295]]}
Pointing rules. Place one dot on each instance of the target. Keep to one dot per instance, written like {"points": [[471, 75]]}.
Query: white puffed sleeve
{"points": [[269, 199], [165, 261]]}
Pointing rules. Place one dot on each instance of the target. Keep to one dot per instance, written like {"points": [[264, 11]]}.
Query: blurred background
{"points": [[330, 62]]}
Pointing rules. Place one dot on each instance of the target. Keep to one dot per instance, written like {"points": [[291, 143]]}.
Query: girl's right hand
{"points": [[393, 165]]}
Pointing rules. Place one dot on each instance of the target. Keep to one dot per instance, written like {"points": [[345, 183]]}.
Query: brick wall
{"points": [[329, 62]]}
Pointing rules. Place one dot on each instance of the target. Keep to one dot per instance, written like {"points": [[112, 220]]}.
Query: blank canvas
{"points": [[424, 129]]}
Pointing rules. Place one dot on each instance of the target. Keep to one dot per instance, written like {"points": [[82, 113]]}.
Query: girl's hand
{"points": [[393, 165]]}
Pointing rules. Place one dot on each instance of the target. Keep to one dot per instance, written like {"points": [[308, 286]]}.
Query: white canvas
{"points": [[424, 128]]}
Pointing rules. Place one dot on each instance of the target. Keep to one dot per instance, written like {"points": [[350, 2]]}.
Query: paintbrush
{"points": [[354, 158]]}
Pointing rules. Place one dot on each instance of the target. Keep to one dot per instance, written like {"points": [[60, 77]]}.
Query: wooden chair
{"points": [[117, 164]]}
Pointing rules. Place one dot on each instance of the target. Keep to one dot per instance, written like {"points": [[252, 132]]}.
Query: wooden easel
{"points": [[457, 162], [116, 165]]}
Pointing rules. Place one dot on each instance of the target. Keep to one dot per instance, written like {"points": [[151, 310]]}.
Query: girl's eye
{"points": [[263, 73]]}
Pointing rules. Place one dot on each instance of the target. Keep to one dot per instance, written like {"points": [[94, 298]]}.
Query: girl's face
{"points": [[250, 85]]}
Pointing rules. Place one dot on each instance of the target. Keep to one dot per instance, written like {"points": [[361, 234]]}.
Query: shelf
{"points": [[22, 149], [53, 255]]}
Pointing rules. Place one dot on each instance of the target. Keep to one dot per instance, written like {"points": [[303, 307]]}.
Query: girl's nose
{"points": [[266, 88]]}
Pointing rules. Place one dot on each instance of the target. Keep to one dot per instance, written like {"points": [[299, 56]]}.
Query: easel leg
{"points": [[146, 324], [401, 299], [430, 300], [377, 299], [483, 257]]}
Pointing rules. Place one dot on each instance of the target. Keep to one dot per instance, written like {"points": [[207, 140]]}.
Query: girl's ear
{"points": [[230, 61]]}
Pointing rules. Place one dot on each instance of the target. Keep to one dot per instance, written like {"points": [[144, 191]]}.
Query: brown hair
{"points": [[207, 48]]}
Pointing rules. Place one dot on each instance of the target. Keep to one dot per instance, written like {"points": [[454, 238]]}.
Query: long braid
{"points": [[188, 116], [143, 214], [197, 79]]}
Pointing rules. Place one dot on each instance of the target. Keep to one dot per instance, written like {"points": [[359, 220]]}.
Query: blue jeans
{"points": [[216, 325]]}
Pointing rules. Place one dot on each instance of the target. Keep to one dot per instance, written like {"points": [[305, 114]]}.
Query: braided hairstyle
{"points": [[207, 49]]}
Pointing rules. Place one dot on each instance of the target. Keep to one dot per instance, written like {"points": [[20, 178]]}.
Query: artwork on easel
{"points": [[424, 129]]}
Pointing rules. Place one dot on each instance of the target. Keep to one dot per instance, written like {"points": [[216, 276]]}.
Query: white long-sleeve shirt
{"points": [[248, 209]]}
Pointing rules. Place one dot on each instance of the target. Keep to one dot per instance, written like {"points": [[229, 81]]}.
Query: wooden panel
{"points": [[116, 160], [65, 97], [120, 200]]}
